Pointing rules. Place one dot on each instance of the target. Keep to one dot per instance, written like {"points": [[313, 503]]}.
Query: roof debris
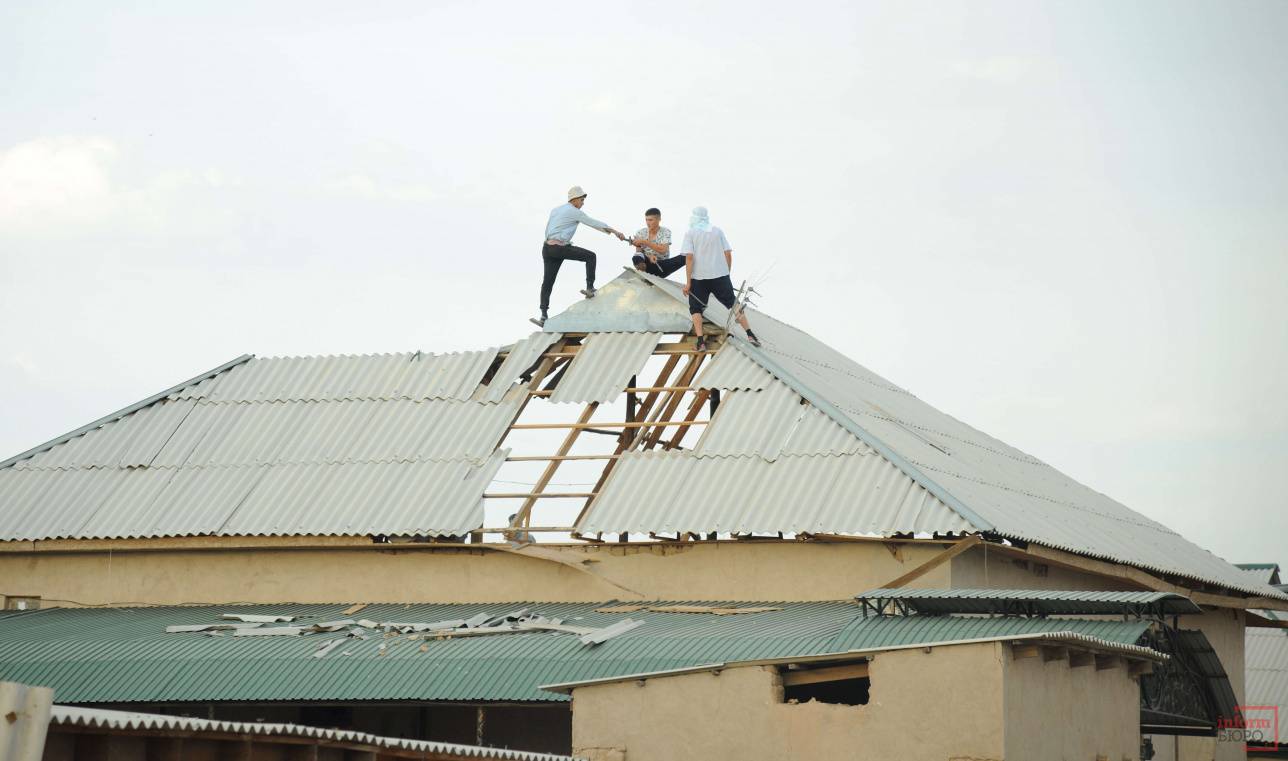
{"points": [[256, 619], [713, 610], [481, 624]]}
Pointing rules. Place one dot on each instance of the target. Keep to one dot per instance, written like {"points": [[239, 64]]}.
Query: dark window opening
{"points": [[843, 685]]}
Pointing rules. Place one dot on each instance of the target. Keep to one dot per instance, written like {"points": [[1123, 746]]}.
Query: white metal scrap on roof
{"points": [[130, 721], [988, 483], [604, 365]]}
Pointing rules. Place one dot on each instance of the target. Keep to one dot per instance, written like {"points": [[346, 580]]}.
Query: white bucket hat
{"points": [[575, 192]]}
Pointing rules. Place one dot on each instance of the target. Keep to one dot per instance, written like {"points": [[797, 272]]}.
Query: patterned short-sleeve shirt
{"points": [[663, 238]]}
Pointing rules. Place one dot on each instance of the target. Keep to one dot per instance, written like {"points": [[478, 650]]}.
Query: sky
{"points": [[1063, 223]]}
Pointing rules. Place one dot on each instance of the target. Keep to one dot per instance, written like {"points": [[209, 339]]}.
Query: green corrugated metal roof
{"points": [[1032, 601], [123, 655]]}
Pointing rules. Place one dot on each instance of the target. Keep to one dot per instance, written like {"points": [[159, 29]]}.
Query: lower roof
{"points": [[136, 723], [124, 655]]}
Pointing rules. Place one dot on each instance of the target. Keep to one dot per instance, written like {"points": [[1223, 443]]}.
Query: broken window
{"points": [[845, 685]]}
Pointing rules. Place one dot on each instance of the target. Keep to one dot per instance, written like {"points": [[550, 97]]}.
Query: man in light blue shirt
{"points": [[558, 245]]}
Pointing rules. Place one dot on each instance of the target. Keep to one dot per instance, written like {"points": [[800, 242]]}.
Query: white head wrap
{"points": [[699, 220]]}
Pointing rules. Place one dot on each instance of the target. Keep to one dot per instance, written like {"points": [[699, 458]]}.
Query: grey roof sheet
{"points": [[414, 375], [989, 483], [1264, 573], [521, 356], [620, 306], [682, 492], [604, 365], [772, 422], [386, 444]]}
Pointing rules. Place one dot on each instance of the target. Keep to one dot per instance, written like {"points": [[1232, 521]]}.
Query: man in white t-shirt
{"points": [[708, 257]]}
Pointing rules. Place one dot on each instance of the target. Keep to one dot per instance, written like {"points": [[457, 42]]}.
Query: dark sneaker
{"points": [[701, 344], [588, 292], [752, 339], [540, 322]]}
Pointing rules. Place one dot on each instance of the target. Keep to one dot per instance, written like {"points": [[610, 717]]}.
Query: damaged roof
{"points": [[125, 655], [805, 440]]}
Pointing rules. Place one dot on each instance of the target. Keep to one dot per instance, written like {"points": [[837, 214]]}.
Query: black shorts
{"points": [[701, 291]]}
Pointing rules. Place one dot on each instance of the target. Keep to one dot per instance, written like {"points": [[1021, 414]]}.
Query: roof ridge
{"points": [[128, 410]]}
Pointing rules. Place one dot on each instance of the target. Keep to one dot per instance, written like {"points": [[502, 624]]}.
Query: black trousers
{"points": [[553, 258], [660, 268], [701, 291]]}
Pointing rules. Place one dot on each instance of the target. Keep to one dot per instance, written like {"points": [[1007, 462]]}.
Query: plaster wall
{"points": [[1056, 711], [389, 573], [978, 568], [945, 704]]}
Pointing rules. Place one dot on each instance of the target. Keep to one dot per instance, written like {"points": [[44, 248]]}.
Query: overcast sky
{"points": [[1066, 224]]}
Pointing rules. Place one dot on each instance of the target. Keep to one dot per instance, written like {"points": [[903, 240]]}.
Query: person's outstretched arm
{"points": [[603, 227]]}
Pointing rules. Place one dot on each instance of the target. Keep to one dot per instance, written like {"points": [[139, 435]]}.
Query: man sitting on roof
{"points": [[558, 246], [707, 258], [653, 247]]}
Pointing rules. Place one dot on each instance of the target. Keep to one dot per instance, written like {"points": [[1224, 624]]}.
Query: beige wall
{"points": [[978, 568], [738, 714], [1057, 711], [698, 571], [967, 702]]}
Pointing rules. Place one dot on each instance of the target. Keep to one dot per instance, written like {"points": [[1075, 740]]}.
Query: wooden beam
{"points": [[534, 495], [562, 458], [829, 674], [673, 402], [699, 399], [584, 425], [933, 563], [1025, 651], [522, 517], [662, 350], [629, 389]]}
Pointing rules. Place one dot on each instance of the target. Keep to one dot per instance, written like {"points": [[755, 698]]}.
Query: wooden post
{"points": [[553, 465], [698, 399]]}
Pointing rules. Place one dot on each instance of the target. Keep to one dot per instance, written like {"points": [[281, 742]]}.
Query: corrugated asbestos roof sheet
{"points": [[604, 365], [130, 721], [1265, 573], [987, 482], [681, 492], [1266, 672], [123, 655], [381, 444], [1035, 601], [520, 357], [623, 307]]}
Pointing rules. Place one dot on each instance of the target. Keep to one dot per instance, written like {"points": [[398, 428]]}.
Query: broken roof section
{"points": [[861, 455], [987, 483]]}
